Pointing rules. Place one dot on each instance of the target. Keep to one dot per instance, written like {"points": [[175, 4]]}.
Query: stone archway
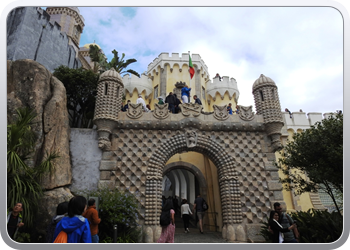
{"points": [[227, 175]]}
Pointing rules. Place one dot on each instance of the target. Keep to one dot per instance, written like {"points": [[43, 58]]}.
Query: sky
{"points": [[300, 48]]}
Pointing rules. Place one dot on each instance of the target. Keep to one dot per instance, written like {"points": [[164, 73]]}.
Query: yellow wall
{"points": [[302, 202]]}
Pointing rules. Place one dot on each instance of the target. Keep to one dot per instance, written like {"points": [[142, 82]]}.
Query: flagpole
{"points": [[189, 85]]}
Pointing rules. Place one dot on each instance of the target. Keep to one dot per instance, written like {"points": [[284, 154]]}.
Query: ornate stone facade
{"points": [[140, 146]]}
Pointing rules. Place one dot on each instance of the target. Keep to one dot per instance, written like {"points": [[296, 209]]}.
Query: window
{"points": [[203, 93], [155, 92]]}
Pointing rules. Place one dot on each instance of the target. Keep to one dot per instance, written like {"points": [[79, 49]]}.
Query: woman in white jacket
{"points": [[185, 214]]}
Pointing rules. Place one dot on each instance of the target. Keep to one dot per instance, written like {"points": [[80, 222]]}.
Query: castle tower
{"points": [[268, 105], [108, 105], [170, 72], [71, 22]]}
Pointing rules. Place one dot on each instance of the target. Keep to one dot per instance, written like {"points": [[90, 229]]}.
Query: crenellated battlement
{"points": [[132, 82], [301, 120], [226, 85], [173, 59]]}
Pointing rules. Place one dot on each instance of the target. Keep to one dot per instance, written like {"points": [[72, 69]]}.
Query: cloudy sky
{"points": [[300, 48]]}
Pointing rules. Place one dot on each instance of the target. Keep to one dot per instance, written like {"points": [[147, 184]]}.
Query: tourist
{"points": [[277, 228], [185, 214], [160, 100], [286, 221], [177, 103], [237, 109], [171, 101], [75, 225], [92, 215], [148, 107], [197, 100], [198, 207], [290, 113], [126, 106], [14, 220], [140, 100], [185, 94], [61, 211], [229, 108], [168, 231]]}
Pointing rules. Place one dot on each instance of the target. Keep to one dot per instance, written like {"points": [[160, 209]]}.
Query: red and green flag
{"points": [[191, 67]]}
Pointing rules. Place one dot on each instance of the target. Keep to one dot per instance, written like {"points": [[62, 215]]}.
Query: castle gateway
{"points": [[228, 159]]}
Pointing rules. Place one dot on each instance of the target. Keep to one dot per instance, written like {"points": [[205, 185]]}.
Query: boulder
{"points": [[48, 205], [30, 84]]}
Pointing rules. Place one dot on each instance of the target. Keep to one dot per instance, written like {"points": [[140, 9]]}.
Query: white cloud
{"points": [[300, 48]]}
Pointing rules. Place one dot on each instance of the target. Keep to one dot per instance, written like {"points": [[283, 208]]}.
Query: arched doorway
{"points": [[227, 176]]}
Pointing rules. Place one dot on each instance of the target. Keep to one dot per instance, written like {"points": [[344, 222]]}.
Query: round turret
{"points": [[110, 91], [268, 105]]}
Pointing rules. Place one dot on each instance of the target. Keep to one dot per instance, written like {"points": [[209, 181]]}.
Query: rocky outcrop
{"points": [[48, 205], [30, 84]]}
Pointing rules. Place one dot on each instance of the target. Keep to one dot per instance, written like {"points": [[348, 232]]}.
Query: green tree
{"points": [[81, 88], [23, 182], [120, 65], [313, 160], [98, 58]]}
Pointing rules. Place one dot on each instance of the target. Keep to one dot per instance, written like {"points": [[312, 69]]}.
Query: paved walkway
{"points": [[194, 236]]}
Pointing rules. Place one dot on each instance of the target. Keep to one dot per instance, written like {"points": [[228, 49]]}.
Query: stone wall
{"points": [[86, 157], [31, 35]]}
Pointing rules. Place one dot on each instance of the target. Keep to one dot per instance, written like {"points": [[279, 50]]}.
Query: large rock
{"points": [[48, 205], [30, 84]]}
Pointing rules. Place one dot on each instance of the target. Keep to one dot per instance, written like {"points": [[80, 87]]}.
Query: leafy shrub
{"points": [[314, 226], [117, 208]]}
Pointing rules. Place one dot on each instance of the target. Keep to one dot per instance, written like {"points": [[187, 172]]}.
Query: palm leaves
{"points": [[119, 64], [23, 181]]}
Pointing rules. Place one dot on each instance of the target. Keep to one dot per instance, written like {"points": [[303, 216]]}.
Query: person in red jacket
{"points": [[92, 215]]}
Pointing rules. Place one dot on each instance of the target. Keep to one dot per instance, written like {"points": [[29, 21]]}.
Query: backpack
{"points": [[205, 205], [62, 237], [165, 218]]}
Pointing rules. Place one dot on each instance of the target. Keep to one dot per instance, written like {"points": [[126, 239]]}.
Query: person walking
{"points": [[185, 214], [277, 228], [168, 231], [75, 225], [198, 207], [92, 215]]}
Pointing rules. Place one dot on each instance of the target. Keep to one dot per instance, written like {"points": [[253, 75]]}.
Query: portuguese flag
{"points": [[191, 67]]}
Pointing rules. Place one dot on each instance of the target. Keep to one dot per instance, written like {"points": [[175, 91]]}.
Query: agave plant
{"points": [[23, 181]]}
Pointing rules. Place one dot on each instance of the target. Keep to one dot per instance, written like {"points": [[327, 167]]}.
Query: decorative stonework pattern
{"points": [[246, 113], [134, 111], [161, 111], [193, 109], [220, 112], [250, 160]]}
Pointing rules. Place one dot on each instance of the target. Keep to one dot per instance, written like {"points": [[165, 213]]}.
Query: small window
{"points": [[106, 88], [203, 93], [261, 95], [155, 92]]}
